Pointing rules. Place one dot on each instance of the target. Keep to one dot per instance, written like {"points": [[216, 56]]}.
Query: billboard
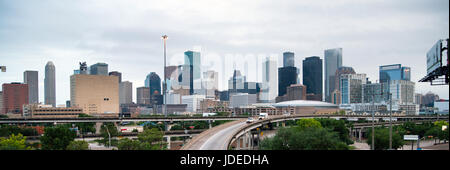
{"points": [[434, 57]]}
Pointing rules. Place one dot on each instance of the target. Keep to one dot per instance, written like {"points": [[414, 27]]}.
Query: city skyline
{"points": [[134, 50]]}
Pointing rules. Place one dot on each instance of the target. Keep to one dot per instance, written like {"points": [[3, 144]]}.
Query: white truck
{"points": [[263, 116]]}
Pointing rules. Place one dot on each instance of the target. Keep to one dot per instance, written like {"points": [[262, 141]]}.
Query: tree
{"points": [[78, 145], [14, 142], [308, 123], [108, 131], [57, 138], [129, 144], [338, 126], [149, 137], [382, 139], [314, 138]]}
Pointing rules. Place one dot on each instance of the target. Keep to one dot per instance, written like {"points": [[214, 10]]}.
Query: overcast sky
{"points": [[229, 34]]}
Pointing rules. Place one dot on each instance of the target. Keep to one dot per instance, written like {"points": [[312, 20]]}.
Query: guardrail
{"points": [[256, 124]]}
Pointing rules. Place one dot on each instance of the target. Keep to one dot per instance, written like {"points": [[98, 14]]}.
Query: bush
{"points": [[78, 145]]}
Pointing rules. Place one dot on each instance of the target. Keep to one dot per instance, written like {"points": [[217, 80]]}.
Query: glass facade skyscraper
{"points": [[394, 72], [333, 60], [286, 77], [288, 59], [31, 78], [312, 75], [99, 69], [193, 60], [50, 84]]}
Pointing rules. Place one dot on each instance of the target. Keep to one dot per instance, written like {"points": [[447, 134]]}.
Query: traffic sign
{"points": [[411, 137]]}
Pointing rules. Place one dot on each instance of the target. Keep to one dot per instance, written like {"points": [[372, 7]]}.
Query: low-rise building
{"points": [[47, 111]]}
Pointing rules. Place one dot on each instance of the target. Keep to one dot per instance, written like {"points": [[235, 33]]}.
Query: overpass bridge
{"points": [[221, 137]]}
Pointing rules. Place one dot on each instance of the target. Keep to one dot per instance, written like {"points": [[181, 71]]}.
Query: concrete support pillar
{"points": [[283, 124], [360, 134], [238, 143], [98, 126], [168, 142], [210, 124]]}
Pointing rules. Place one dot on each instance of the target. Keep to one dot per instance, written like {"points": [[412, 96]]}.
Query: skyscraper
{"points": [[50, 84], [351, 88], [394, 72], [96, 94], [312, 76], [31, 78], [333, 60], [286, 77], [15, 95], [154, 83], [99, 69], [125, 92], [288, 59], [143, 95], [269, 85], [193, 60], [116, 73]]}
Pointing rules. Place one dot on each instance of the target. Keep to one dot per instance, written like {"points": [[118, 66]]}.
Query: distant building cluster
{"points": [[327, 87]]}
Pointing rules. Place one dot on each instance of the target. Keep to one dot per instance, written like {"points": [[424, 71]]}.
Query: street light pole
{"points": [[164, 37], [373, 122]]}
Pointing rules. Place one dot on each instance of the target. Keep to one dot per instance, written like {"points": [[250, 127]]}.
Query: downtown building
{"points": [[312, 78], [333, 60], [31, 78], [50, 84], [293, 92], [287, 74], [336, 93], [269, 85], [125, 92], [143, 96], [99, 69], [96, 94], [14, 97]]}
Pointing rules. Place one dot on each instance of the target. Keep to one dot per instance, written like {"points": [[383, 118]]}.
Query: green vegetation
{"points": [[3, 116], [7, 130], [14, 142], [57, 138], [382, 138], [150, 139], [309, 134], [78, 145], [338, 126], [84, 115], [108, 131]]}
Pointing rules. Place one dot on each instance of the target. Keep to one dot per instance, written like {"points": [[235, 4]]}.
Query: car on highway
{"points": [[250, 120]]}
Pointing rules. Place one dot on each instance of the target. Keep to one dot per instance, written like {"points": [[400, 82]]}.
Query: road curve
{"points": [[215, 138]]}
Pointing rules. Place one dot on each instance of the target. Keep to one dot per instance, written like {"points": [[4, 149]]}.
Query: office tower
{"points": [[242, 99], [296, 92], [402, 91], [68, 103], [336, 93], [31, 78], [193, 62], [269, 85], [210, 83], [286, 77], [418, 98], [288, 59], [1, 102], [429, 98], [172, 76], [116, 73], [312, 76], [351, 88], [394, 72], [192, 102], [96, 94], [50, 84], [376, 93], [15, 95], [143, 95], [236, 84], [154, 83], [99, 69], [125, 92], [333, 60]]}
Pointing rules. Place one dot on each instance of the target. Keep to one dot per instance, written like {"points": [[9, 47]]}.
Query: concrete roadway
{"points": [[215, 138]]}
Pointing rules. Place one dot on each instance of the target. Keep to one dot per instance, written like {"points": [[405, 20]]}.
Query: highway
{"points": [[218, 141]]}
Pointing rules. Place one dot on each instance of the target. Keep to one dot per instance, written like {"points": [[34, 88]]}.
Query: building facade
{"points": [[99, 69], [269, 85], [95, 94], [15, 95], [116, 73], [312, 76], [31, 78], [50, 84], [288, 59], [394, 72], [125, 92], [333, 60], [286, 77], [143, 95], [351, 88]]}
